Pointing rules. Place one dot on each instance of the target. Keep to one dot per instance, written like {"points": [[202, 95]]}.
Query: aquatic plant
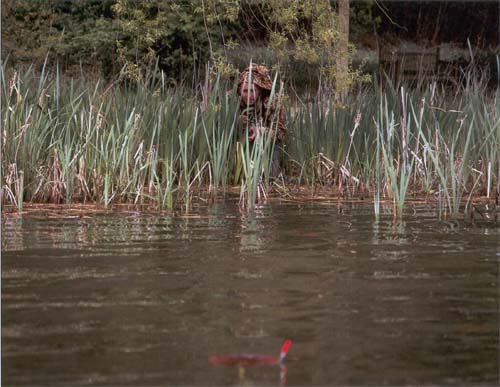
{"points": [[220, 123], [67, 141], [394, 146]]}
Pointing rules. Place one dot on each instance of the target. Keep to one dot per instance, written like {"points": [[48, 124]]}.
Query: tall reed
{"points": [[67, 141]]}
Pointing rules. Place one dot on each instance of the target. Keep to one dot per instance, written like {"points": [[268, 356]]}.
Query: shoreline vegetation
{"points": [[73, 141]]}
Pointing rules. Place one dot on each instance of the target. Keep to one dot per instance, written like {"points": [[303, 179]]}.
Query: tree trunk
{"points": [[342, 81]]}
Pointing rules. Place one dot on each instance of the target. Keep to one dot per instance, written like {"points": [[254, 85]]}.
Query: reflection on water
{"points": [[128, 298]]}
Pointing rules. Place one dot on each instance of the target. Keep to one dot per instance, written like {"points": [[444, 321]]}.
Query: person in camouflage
{"points": [[259, 112]]}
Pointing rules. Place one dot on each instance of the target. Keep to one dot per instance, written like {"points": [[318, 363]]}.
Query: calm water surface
{"points": [[131, 299]]}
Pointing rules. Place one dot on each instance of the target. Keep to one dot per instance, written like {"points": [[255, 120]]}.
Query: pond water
{"points": [[123, 298]]}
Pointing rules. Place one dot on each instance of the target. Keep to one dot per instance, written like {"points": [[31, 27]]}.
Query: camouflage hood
{"points": [[260, 77]]}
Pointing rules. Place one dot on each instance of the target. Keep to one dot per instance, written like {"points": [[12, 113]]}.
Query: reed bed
{"points": [[74, 141]]}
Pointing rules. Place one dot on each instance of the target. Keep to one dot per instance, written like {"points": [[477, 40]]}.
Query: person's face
{"points": [[249, 93]]}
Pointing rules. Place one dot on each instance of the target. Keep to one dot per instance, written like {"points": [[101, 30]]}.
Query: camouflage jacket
{"points": [[267, 114]]}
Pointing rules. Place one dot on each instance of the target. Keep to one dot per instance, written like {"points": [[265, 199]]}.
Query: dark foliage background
{"points": [[102, 37]]}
